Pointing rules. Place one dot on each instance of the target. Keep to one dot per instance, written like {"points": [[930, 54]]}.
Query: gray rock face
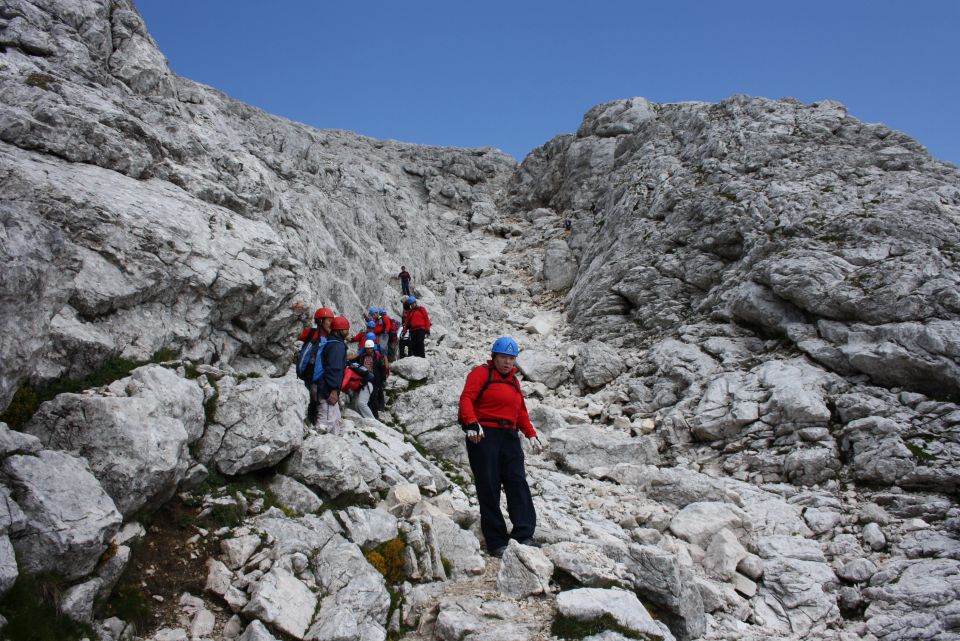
{"points": [[580, 449], [69, 517], [282, 600], [587, 604], [914, 600], [156, 218], [880, 301], [524, 571], [559, 265], [334, 466], [261, 422], [597, 364], [543, 368], [135, 441]]}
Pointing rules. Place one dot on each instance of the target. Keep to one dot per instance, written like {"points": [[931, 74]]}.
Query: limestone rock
{"points": [[412, 368], [334, 466], [256, 631], [282, 600], [559, 265], [261, 421], [542, 367], [69, 517], [524, 571], [699, 522], [586, 604], [295, 495], [913, 599], [580, 449], [597, 364], [586, 563], [135, 442]]}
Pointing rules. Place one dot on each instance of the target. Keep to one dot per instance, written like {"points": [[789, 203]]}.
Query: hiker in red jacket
{"points": [[493, 414], [417, 322]]}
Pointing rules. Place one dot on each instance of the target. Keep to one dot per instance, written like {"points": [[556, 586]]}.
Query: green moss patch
{"points": [[27, 399], [32, 613]]}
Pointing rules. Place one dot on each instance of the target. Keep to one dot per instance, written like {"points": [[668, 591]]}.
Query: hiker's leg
{"points": [[363, 399], [513, 475], [484, 462]]}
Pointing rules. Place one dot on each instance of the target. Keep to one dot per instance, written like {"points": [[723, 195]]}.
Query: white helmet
{"points": [[369, 344]]}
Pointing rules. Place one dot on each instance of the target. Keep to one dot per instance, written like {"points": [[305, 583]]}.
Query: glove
{"points": [[535, 444], [475, 433]]}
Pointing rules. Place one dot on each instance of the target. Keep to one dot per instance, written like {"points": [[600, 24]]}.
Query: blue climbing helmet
{"points": [[505, 345], [411, 300], [373, 310], [371, 336], [383, 312], [371, 324]]}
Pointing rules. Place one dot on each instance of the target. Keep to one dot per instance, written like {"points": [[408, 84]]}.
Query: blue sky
{"points": [[513, 74]]}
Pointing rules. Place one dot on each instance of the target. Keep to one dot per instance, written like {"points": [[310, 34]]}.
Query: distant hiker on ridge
{"points": [[404, 277]]}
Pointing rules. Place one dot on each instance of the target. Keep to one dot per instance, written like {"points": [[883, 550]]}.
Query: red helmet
{"points": [[323, 312], [339, 322]]}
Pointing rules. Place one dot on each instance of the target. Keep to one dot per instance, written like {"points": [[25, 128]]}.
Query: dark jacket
{"points": [[334, 360]]}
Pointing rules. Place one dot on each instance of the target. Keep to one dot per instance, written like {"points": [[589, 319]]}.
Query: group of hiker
{"points": [[492, 410], [330, 366]]}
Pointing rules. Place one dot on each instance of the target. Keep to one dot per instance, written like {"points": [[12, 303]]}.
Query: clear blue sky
{"points": [[514, 73]]}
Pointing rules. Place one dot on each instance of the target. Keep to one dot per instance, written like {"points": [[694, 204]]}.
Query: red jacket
{"points": [[417, 318], [501, 401], [308, 334]]}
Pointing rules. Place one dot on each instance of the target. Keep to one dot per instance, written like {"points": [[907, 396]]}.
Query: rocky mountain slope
{"points": [[743, 357]]}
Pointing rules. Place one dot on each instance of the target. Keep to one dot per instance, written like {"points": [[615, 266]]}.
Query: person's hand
{"points": [[333, 398], [475, 433], [535, 444]]}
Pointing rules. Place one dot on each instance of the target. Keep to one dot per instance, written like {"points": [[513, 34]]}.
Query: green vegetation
{"points": [[27, 399], [128, 602], [921, 454], [40, 80], [32, 613], [569, 628]]}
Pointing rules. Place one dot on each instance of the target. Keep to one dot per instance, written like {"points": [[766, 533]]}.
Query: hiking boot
{"points": [[530, 542], [498, 553]]}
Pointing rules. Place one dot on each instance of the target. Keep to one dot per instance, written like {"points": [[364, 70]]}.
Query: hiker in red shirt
{"points": [[417, 322], [493, 414]]}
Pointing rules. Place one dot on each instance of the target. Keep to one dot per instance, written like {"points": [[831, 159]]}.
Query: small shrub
{"points": [[128, 602], [40, 80], [920, 454], [32, 612], [388, 559]]}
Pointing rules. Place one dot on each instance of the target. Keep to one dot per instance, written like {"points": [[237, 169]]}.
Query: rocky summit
{"points": [[740, 333]]}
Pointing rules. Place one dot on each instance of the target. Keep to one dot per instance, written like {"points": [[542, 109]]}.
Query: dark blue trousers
{"points": [[497, 461]]}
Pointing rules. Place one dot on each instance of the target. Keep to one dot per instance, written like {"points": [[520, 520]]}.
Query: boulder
{"points": [[294, 495], [368, 528], [588, 604], [586, 564], [580, 449], [259, 422], [135, 442], [8, 565], [524, 571], [256, 631], [699, 522], [723, 555], [559, 265], [914, 600], [543, 368], [69, 517], [597, 364], [283, 601], [412, 368], [335, 466], [658, 576]]}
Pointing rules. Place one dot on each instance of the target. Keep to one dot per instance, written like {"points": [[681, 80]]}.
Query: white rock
{"points": [[873, 537], [524, 571], [219, 577], [202, 624], [237, 550], [256, 631], [698, 522], [587, 604], [723, 555], [295, 495], [283, 601], [412, 368]]}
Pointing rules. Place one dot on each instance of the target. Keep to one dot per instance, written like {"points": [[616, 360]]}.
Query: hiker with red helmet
{"points": [[417, 322], [328, 377], [313, 338], [493, 414]]}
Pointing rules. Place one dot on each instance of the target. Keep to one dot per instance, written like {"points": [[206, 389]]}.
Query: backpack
{"points": [[309, 357], [512, 382]]}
